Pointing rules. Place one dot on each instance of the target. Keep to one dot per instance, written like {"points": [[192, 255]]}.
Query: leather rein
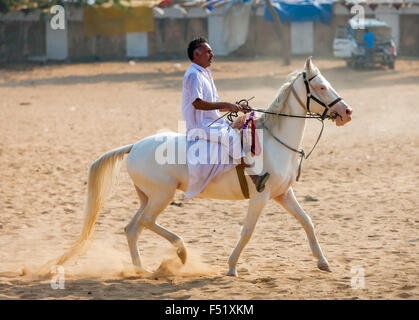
{"points": [[306, 107]]}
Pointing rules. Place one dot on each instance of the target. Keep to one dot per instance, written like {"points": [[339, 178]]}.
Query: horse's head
{"points": [[324, 97]]}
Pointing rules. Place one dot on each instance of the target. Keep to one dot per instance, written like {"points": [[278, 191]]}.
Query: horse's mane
{"points": [[278, 104]]}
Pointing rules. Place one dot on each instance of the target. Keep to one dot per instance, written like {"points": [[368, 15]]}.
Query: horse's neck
{"points": [[291, 130]]}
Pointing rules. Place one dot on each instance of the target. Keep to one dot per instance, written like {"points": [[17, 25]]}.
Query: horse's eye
{"points": [[322, 88]]}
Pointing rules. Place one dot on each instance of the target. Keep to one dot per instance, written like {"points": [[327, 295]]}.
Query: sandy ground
{"points": [[359, 187]]}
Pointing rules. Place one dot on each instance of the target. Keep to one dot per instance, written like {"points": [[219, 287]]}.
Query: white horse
{"points": [[156, 184]]}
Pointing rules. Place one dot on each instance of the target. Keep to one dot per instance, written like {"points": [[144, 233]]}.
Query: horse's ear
{"points": [[308, 65]]}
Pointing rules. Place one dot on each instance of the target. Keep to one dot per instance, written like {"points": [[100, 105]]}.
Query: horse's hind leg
{"points": [[173, 238], [157, 203], [133, 231]]}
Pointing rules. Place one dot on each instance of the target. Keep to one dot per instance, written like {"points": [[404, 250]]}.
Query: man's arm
{"points": [[222, 106]]}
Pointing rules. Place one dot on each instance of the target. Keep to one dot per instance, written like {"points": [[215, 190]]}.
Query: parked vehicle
{"points": [[349, 45]]}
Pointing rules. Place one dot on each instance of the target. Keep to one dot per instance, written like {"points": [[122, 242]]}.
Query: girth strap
{"points": [[243, 182]]}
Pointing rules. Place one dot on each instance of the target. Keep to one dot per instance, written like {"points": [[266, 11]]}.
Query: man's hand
{"points": [[230, 107], [222, 106]]}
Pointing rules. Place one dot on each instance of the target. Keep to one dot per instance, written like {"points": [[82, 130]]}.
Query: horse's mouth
{"points": [[333, 115], [338, 119], [341, 115]]}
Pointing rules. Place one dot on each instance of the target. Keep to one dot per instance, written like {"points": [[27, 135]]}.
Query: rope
{"points": [[301, 151]]}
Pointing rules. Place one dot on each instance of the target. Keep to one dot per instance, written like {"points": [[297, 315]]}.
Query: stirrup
{"points": [[260, 185]]}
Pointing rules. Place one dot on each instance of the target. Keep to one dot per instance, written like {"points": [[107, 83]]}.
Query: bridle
{"points": [[306, 107], [311, 96]]}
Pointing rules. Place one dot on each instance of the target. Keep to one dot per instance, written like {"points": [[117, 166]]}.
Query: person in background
{"points": [[369, 41]]}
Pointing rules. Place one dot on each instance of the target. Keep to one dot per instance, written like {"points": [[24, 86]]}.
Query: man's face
{"points": [[203, 55]]}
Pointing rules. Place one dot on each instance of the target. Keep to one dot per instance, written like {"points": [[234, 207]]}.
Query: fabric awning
{"points": [[301, 10], [113, 21]]}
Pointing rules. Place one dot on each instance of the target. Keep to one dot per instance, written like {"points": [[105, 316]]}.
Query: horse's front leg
{"points": [[256, 205], [290, 203]]}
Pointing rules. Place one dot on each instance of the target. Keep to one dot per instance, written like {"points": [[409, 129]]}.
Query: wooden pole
{"points": [[282, 30]]}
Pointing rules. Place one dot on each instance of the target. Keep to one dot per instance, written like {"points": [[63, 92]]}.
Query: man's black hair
{"points": [[195, 44]]}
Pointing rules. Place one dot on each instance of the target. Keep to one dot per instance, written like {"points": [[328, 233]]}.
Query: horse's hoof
{"points": [[142, 271], [182, 254], [232, 273], [324, 267]]}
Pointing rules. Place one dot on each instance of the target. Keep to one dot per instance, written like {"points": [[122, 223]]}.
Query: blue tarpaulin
{"points": [[301, 10]]}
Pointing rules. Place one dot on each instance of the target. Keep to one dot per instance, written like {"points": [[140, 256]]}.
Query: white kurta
{"points": [[211, 151]]}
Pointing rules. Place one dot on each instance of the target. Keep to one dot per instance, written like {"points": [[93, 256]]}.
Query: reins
{"points": [[300, 151], [306, 107]]}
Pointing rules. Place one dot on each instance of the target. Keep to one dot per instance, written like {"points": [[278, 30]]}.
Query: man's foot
{"points": [[260, 181]]}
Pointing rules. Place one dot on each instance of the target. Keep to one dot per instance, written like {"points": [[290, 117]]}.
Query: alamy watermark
{"points": [[359, 12], [58, 280], [57, 22], [211, 146], [358, 280]]}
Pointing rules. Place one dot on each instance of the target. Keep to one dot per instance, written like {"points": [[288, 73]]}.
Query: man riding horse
{"points": [[306, 94], [201, 109]]}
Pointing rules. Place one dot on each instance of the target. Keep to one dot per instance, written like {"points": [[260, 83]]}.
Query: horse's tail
{"points": [[102, 175]]}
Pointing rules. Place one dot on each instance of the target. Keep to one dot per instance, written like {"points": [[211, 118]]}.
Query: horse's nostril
{"points": [[348, 111]]}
